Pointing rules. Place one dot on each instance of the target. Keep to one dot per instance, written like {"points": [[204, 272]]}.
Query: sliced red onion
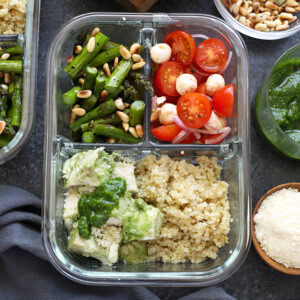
{"points": [[202, 73], [219, 138], [154, 103], [227, 62], [177, 120], [202, 36], [209, 98], [180, 136], [197, 135]]}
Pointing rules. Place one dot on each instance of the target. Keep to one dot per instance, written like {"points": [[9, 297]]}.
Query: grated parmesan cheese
{"points": [[277, 227]]}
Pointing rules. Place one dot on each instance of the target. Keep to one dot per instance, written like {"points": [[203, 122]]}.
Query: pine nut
{"points": [[236, 8], [73, 116], [84, 94], [106, 69], [285, 22], [135, 48], [155, 115], [7, 78], [270, 24], [278, 22], [256, 7], [242, 20], [125, 126], [243, 11], [271, 5], [70, 59], [79, 111], [281, 27], [124, 52], [110, 141], [78, 49], [136, 58], [292, 3], [126, 105], [5, 87], [290, 10], [245, 5], [138, 65], [286, 16], [139, 130], [116, 62], [81, 81], [250, 10], [90, 47], [133, 132], [119, 104], [260, 27], [2, 126], [95, 31], [123, 117], [103, 95], [5, 56], [293, 20], [298, 8]]}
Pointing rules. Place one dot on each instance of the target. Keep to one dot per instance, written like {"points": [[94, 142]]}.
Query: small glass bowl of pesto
{"points": [[278, 105]]}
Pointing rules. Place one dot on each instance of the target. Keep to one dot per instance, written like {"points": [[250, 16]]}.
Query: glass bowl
{"points": [[275, 35], [265, 119]]}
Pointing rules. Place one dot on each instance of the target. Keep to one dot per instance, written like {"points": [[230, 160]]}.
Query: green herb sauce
{"points": [[284, 97], [95, 209]]}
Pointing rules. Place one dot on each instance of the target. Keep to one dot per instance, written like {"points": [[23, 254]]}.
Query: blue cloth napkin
{"points": [[25, 272]]}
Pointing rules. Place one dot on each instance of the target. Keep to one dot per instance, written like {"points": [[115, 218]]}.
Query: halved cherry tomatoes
{"points": [[201, 88], [211, 56], [189, 70], [194, 109], [166, 133], [223, 101], [207, 137], [166, 77], [183, 46]]}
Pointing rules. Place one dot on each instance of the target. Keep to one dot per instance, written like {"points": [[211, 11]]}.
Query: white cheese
{"points": [[277, 227]]}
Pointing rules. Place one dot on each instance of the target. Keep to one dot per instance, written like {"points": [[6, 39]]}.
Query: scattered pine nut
{"points": [[7, 78], [78, 49], [119, 104], [5, 56], [81, 81], [84, 94], [125, 126], [126, 105], [103, 95], [290, 10], [260, 27], [78, 111], [106, 69], [70, 59], [133, 132], [90, 47], [73, 116], [95, 31], [138, 65], [155, 115], [110, 141], [123, 117], [292, 3], [282, 27], [135, 48], [2, 126], [139, 130], [116, 62], [124, 52], [286, 16], [136, 58]]}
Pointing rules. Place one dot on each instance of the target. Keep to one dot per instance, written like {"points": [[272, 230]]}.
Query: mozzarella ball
{"points": [[168, 111], [186, 83], [214, 83], [215, 122], [160, 53]]}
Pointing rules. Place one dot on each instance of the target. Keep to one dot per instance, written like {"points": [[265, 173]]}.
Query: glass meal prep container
{"points": [[233, 154], [29, 43]]}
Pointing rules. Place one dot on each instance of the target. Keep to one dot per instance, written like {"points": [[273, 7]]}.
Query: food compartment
{"points": [[91, 271]]}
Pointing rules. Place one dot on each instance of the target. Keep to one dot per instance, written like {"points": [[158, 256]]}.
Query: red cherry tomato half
{"points": [[166, 133], [190, 139], [183, 46], [201, 88], [159, 93], [211, 56], [207, 137], [194, 109], [166, 77], [223, 101], [189, 70]]}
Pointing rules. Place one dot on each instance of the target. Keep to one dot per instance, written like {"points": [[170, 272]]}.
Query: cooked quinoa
{"points": [[12, 16], [195, 206]]}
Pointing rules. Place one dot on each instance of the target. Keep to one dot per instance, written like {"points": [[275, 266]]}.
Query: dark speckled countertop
{"points": [[254, 279]]}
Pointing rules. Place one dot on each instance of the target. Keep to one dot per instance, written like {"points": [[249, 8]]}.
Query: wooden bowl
{"points": [[261, 252]]}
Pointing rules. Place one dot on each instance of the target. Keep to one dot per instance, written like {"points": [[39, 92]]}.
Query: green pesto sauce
{"points": [[284, 97], [95, 209]]}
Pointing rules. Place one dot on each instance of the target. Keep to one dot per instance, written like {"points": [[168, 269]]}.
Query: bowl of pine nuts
{"points": [[262, 19]]}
